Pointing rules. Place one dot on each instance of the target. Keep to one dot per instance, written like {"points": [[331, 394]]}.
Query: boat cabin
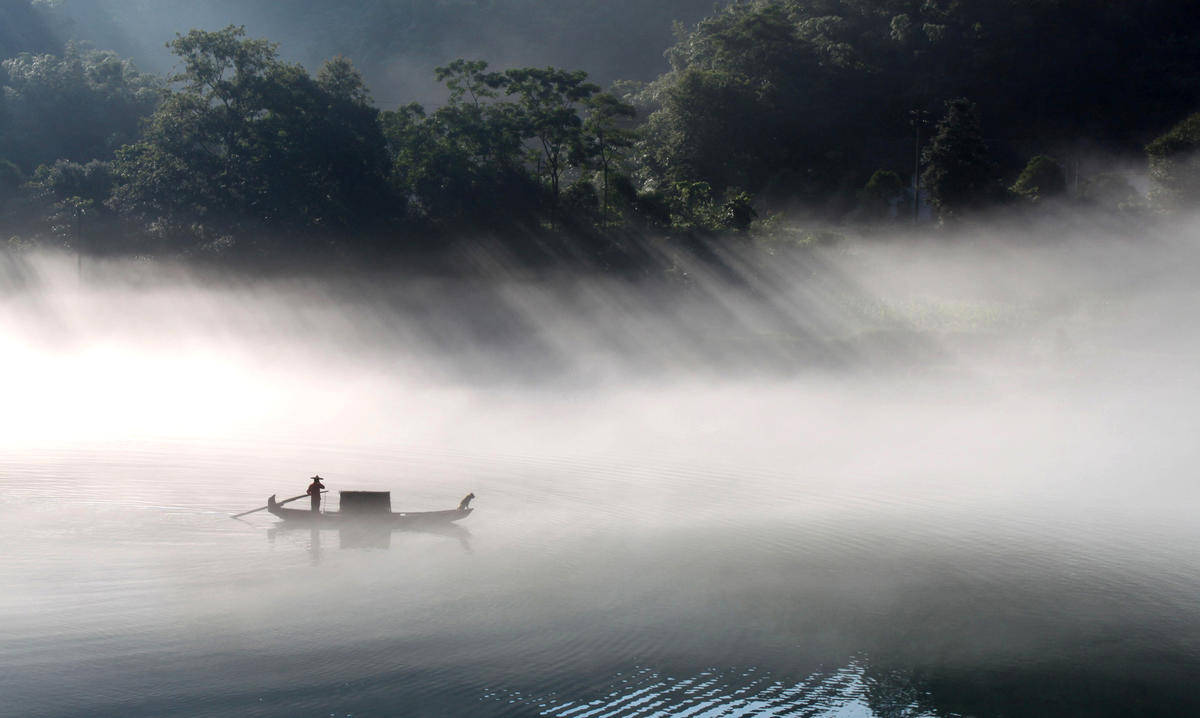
{"points": [[365, 503]]}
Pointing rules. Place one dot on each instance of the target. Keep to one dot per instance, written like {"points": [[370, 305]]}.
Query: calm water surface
{"points": [[573, 591]]}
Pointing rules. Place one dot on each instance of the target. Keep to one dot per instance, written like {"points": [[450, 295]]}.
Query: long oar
{"points": [[277, 503]]}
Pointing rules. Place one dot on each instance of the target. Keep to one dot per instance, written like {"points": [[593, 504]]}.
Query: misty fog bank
{"points": [[905, 303], [867, 328]]}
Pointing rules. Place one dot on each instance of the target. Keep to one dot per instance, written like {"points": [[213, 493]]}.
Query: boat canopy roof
{"points": [[365, 502]]}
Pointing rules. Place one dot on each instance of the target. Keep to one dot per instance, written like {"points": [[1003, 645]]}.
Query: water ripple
{"points": [[645, 692]]}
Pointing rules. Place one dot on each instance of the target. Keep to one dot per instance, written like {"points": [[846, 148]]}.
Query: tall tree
{"points": [[547, 107], [245, 140], [959, 174], [461, 164], [605, 138]]}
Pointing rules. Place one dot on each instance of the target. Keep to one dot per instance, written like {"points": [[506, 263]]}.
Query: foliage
{"points": [[546, 110], [483, 157], [799, 100], [1175, 165], [75, 194], [736, 108], [80, 106], [1043, 178], [737, 212], [579, 203], [695, 206], [244, 140], [782, 104], [959, 174], [880, 195], [462, 163], [605, 141], [63, 180]]}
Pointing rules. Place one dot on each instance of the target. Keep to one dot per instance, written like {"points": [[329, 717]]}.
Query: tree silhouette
{"points": [[959, 174]]}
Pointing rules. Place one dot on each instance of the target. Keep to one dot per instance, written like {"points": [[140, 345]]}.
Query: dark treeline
{"points": [[804, 99], [806, 106]]}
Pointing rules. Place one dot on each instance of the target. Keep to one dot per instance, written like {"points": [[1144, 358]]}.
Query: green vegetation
{"points": [[245, 144], [1043, 178], [884, 193], [1175, 165], [80, 106], [768, 106], [75, 195], [800, 101], [959, 174]]}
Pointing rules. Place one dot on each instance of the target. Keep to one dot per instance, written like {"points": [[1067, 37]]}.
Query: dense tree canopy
{"points": [[75, 194], [1175, 165], [767, 105], [80, 106], [502, 145], [245, 139], [803, 99]]}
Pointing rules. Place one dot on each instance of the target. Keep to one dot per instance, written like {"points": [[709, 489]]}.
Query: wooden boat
{"points": [[370, 508]]}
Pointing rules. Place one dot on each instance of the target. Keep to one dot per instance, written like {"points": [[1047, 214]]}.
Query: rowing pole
{"points": [[277, 503]]}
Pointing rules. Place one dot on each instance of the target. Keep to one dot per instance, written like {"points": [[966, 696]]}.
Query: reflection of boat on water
{"points": [[370, 509], [366, 520], [434, 528], [371, 535]]}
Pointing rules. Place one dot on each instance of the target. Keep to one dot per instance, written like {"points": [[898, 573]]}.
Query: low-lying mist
{"points": [[965, 350]]}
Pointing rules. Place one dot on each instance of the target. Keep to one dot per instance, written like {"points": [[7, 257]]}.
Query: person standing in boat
{"points": [[314, 492]]}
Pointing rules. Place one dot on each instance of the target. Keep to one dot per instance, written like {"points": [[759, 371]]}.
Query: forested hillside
{"points": [[806, 97], [823, 109]]}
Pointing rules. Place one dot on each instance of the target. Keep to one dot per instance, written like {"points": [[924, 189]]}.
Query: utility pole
{"points": [[918, 118]]}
